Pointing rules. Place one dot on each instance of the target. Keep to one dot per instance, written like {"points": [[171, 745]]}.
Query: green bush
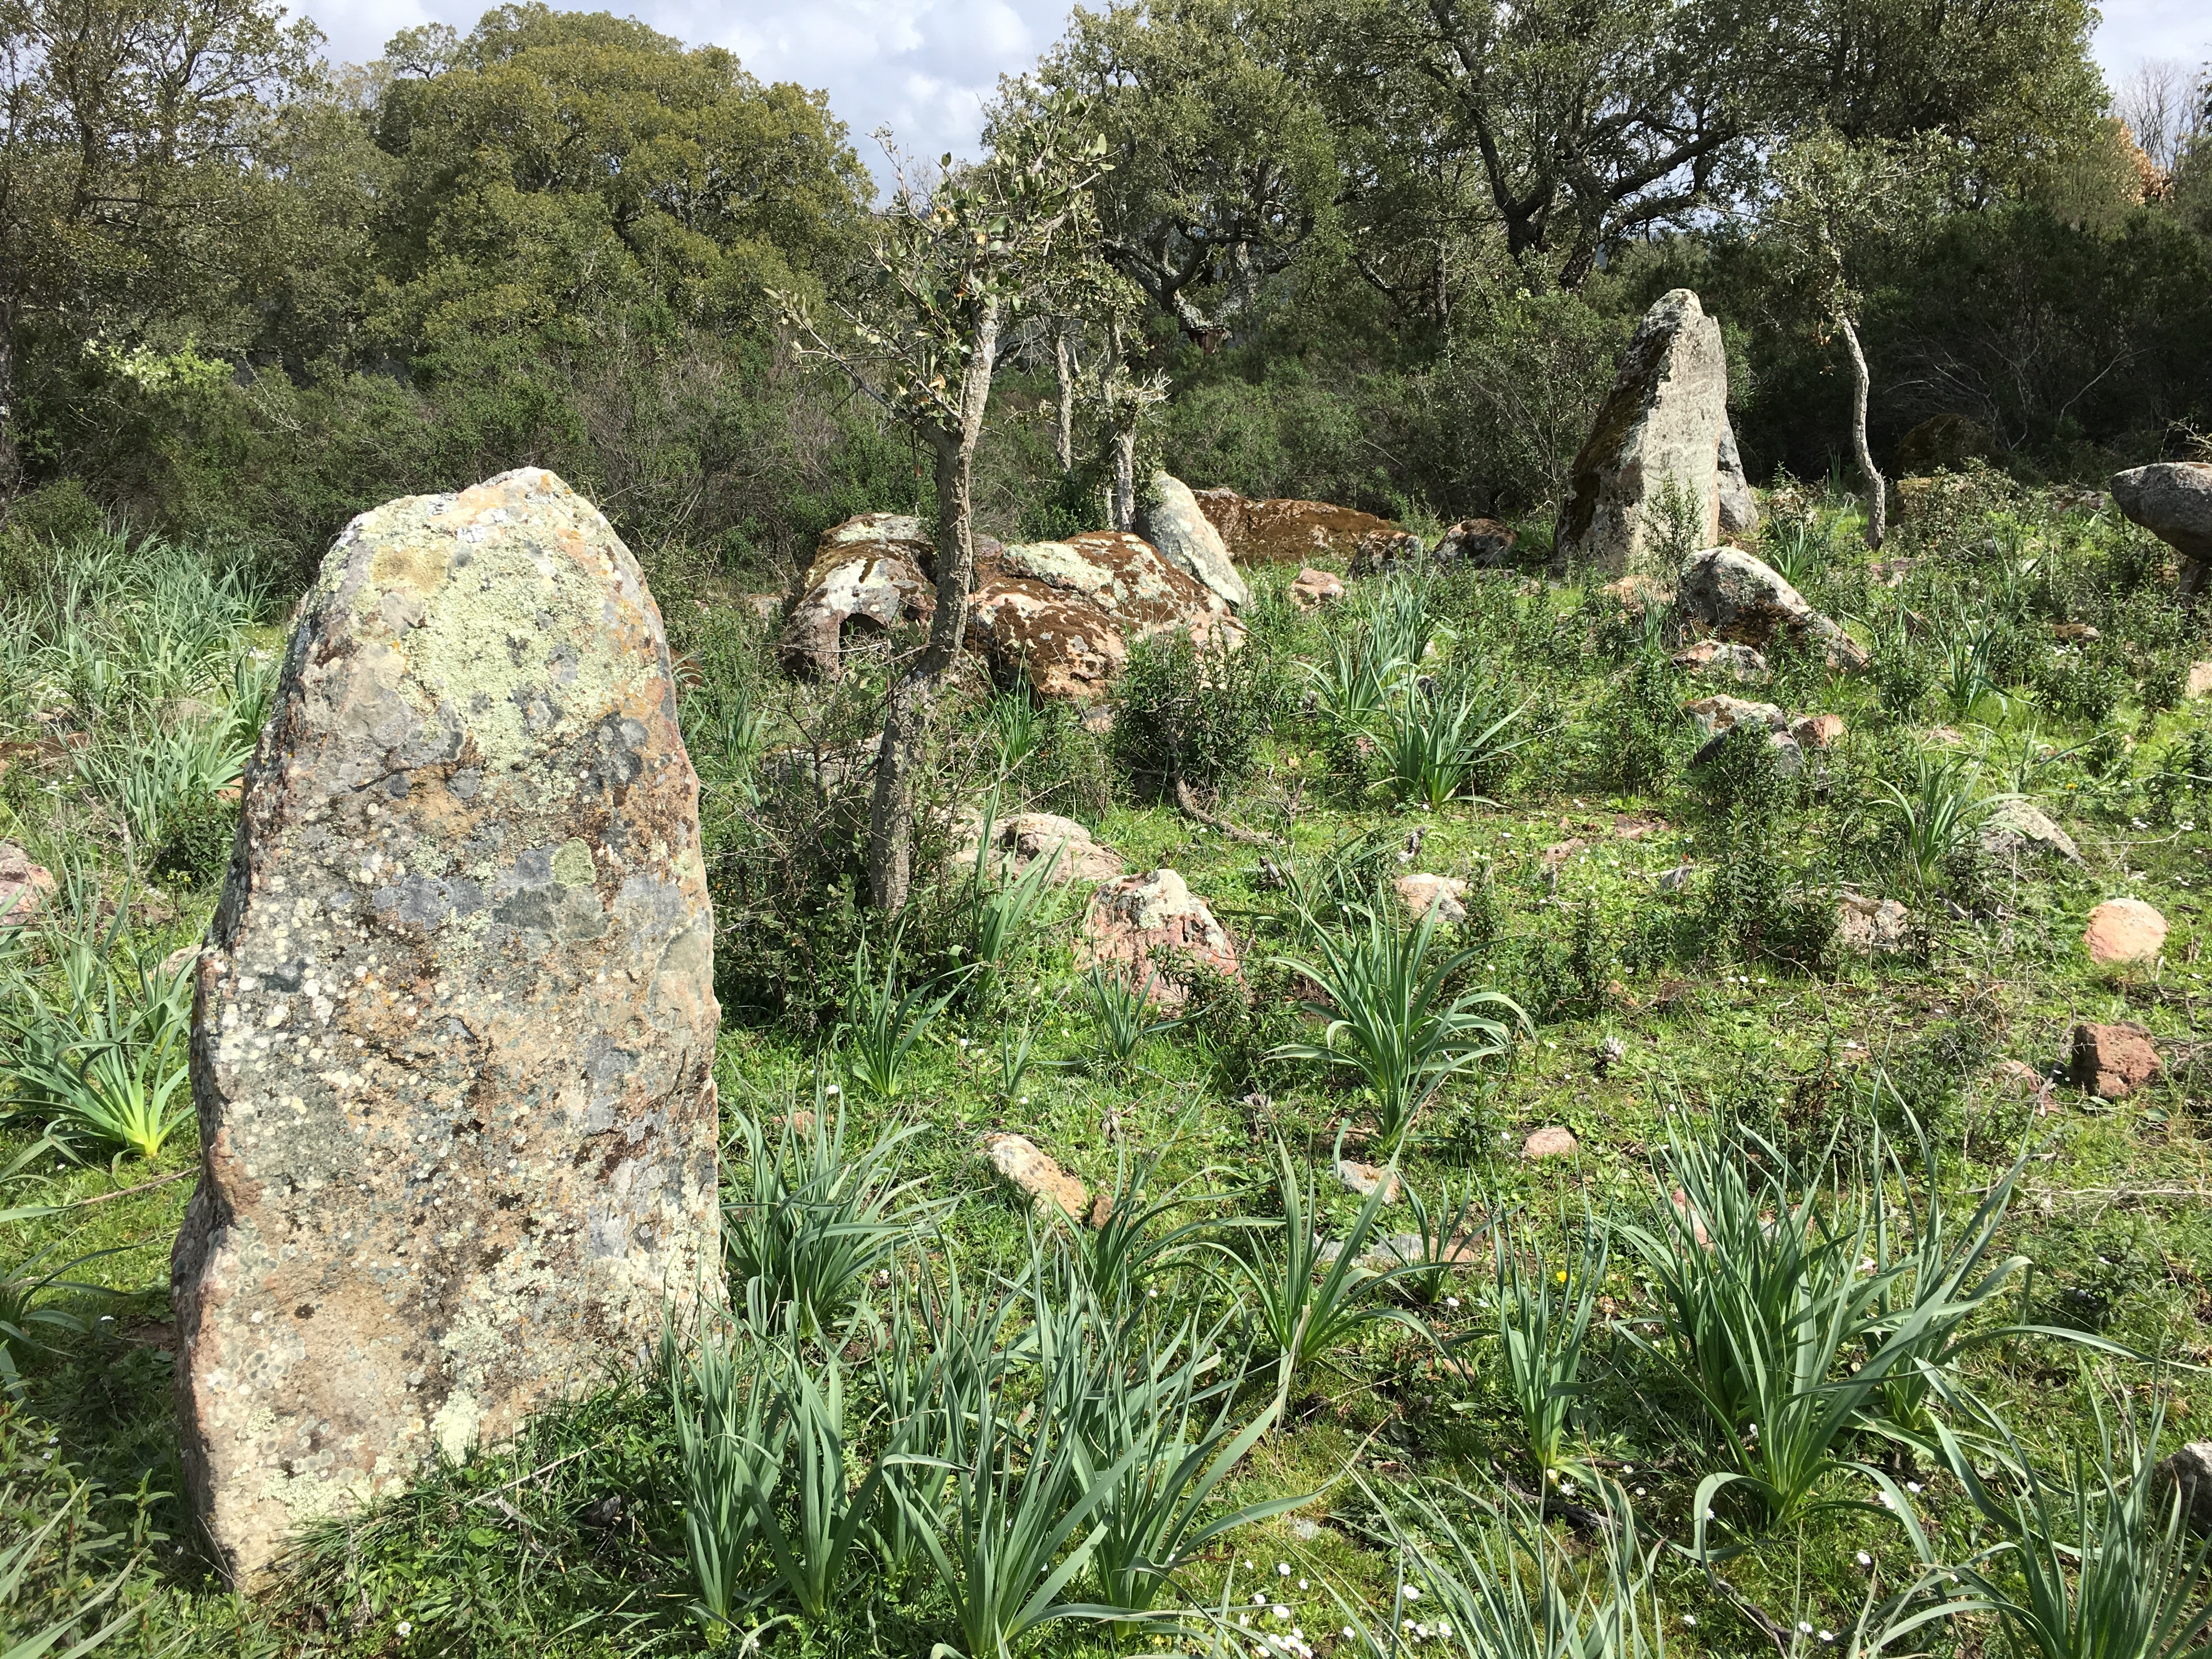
{"points": [[1191, 714]]}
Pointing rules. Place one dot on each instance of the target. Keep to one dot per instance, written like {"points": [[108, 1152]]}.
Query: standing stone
{"points": [[454, 1024], [1664, 422], [1171, 521]]}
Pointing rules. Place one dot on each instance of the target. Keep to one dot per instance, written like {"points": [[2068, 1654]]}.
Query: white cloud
{"points": [[924, 68], [2135, 30]]}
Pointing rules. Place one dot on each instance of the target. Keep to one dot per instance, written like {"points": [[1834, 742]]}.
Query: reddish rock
{"points": [[1483, 542], [1553, 1140], [1316, 588], [1818, 730], [1048, 1188], [23, 885], [1061, 615], [1421, 892], [1560, 851], [1151, 923], [1286, 531], [2123, 931], [2112, 1061], [1101, 1211], [870, 573]]}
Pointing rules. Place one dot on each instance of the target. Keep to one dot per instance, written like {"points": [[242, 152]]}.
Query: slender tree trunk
{"points": [[1124, 504], [1877, 491], [1063, 353], [11, 463], [913, 696]]}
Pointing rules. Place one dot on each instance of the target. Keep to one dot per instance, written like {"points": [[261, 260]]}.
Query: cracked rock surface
{"points": [[454, 1024]]}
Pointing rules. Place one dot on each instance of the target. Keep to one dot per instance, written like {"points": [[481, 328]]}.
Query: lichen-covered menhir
{"points": [[454, 1024]]}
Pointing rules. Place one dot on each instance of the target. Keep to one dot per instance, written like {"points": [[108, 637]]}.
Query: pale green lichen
{"points": [[571, 864]]}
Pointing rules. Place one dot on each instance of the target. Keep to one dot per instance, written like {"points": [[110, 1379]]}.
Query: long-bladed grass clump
{"points": [[1543, 1321], [813, 1220], [2098, 1563], [1307, 1299], [1390, 1010]]}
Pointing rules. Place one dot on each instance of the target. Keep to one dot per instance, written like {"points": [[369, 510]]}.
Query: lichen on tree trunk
{"points": [[1877, 490]]}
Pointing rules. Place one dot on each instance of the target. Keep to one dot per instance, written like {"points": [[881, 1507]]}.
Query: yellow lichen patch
{"points": [[572, 866], [419, 564]]}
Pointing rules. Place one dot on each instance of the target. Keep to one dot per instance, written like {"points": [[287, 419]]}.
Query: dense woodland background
{"points": [[1388, 249]]}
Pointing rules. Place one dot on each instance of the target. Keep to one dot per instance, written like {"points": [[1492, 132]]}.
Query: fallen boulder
{"points": [[1732, 596], [454, 1031], [1048, 1188], [1172, 522], [2199, 682], [2124, 931], [2172, 500], [1286, 531], [1151, 924], [2112, 1061], [870, 574], [1060, 616], [1659, 434]]}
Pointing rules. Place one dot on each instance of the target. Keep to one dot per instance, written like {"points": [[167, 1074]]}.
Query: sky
{"points": [[925, 68]]}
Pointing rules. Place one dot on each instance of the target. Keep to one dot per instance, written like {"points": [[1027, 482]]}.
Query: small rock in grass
{"points": [[2015, 827], [1877, 926], [2189, 1470], [1421, 892], [23, 885], [1303, 1530], [1739, 662], [1364, 1178], [2123, 931], [1018, 841], [1636, 828], [2112, 1061], [1560, 851], [1485, 544], [2198, 684], [1137, 919], [2018, 1078], [2073, 631], [1101, 1211], [1316, 588], [1818, 730], [1716, 714], [1553, 1141], [1029, 1171], [1675, 880]]}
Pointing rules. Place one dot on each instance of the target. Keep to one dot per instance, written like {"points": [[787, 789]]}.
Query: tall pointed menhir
{"points": [[454, 1030]]}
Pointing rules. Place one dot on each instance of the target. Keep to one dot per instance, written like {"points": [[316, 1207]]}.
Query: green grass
{"points": [[1399, 1455]]}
